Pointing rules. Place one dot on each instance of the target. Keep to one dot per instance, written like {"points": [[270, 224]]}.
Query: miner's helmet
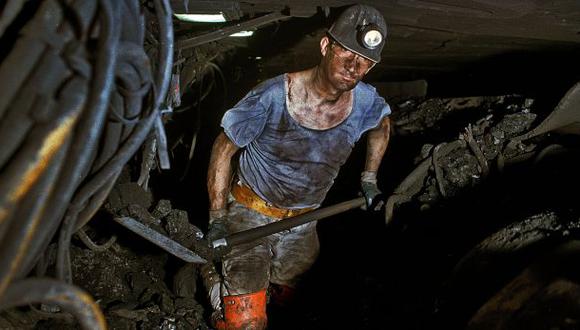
{"points": [[362, 30]]}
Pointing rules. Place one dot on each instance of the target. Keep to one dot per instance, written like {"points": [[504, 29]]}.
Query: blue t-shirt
{"points": [[289, 165]]}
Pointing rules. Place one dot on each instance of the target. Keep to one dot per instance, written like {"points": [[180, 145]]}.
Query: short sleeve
{"points": [[374, 113], [246, 120]]}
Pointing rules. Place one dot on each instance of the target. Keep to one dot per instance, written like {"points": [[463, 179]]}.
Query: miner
{"points": [[293, 133]]}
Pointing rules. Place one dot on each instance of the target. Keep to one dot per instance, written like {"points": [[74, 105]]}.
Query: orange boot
{"points": [[245, 311]]}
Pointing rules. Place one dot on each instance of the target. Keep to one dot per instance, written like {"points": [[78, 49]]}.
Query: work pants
{"points": [[280, 258]]}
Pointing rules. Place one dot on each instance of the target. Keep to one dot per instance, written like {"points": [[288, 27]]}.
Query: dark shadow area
{"points": [[544, 75], [185, 183], [370, 276]]}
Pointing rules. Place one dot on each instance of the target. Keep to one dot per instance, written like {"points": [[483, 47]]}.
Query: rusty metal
{"points": [[70, 298]]}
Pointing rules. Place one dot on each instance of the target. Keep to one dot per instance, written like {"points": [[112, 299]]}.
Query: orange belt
{"points": [[244, 195]]}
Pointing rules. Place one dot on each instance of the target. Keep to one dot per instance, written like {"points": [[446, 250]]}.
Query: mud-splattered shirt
{"points": [[286, 164]]}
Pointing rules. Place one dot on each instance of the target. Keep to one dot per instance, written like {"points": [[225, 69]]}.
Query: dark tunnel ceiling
{"points": [[425, 37]]}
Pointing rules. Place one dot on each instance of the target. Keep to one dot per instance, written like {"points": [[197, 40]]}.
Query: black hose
{"points": [[76, 165], [163, 75], [48, 291], [14, 250]]}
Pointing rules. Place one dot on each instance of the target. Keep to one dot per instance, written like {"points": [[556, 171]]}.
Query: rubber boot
{"points": [[245, 312]]}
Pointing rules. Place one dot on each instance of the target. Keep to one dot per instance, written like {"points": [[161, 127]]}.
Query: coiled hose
{"points": [[78, 98]]}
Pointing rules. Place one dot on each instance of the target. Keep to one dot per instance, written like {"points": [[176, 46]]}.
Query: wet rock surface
{"points": [[455, 166], [435, 115]]}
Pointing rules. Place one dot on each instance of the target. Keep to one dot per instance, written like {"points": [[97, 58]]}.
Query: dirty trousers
{"points": [[279, 258]]}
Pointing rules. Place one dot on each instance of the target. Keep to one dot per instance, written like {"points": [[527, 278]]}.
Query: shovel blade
{"points": [[160, 240]]}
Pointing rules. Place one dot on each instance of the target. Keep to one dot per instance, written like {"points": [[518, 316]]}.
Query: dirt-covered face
{"points": [[342, 68]]}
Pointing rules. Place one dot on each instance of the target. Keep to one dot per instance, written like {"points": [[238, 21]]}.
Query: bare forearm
{"points": [[219, 171], [377, 142]]}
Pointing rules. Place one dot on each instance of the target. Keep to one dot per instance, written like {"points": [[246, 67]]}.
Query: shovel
{"points": [[234, 239], [213, 283]]}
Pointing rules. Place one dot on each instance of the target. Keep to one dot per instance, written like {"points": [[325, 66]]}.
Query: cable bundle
{"points": [[78, 98]]}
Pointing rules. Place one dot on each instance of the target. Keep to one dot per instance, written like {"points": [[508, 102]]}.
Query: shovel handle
{"points": [[253, 234]]}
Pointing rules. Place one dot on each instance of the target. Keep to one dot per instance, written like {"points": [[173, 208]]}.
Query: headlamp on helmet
{"points": [[370, 36], [362, 30]]}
